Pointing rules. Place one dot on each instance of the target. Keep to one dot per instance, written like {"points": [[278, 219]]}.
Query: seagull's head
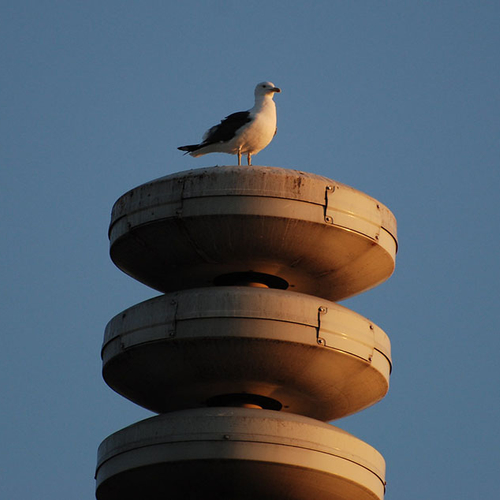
{"points": [[266, 89]]}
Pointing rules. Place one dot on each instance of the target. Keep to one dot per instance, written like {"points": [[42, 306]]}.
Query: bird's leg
{"points": [[249, 159], [239, 156]]}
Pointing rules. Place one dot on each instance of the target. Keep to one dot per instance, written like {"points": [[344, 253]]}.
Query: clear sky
{"points": [[400, 99]]}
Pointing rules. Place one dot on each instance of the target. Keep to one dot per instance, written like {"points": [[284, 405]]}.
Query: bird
{"points": [[244, 132]]}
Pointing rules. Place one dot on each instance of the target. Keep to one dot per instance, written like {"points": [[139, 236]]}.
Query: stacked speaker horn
{"points": [[246, 354]]}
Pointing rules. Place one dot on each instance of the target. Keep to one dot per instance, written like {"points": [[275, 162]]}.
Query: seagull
{"points": [[245, 132]]}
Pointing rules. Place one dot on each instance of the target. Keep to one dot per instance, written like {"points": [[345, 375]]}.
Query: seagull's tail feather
{"points": [[189, 149], [194, 150]]}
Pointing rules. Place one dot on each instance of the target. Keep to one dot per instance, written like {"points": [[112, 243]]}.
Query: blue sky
{"points": [[398, 99]]}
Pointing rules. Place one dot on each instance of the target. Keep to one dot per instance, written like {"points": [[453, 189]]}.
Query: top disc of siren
{"points": [[257, 225]]}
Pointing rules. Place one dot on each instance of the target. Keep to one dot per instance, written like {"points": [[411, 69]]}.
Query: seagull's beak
{"points": [[275, 89]]}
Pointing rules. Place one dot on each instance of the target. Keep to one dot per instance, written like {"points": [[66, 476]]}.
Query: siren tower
{"points": [[246, 355]]}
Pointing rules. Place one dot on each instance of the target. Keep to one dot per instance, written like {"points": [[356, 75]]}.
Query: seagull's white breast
{"points": [[255, 136]]}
